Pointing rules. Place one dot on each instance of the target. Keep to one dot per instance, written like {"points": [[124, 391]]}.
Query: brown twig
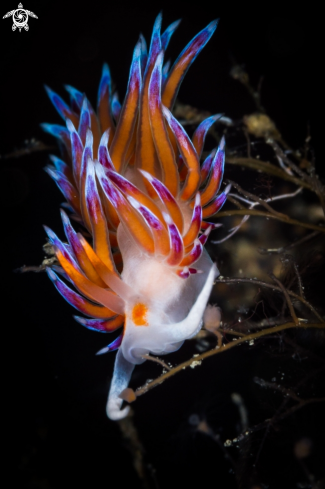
{"points": [[277, 387], [301, 289], [304, 351], [289, 394], [265, 251], [312, 180], [33, 147], [231, 331], [248, 338], [280, 153], [234, 199], [226, 280], [248, 142], [156, 360], [285, 218], [231, 199], [238, 73], [266, 167], [136, 448], [286, 295], [269, 422], [256, 199]]}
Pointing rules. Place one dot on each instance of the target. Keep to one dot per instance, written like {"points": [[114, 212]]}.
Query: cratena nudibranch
{"points": [[132, 176]]}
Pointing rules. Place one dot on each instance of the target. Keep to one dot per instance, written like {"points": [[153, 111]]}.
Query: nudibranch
{"points": [[132, 178]]}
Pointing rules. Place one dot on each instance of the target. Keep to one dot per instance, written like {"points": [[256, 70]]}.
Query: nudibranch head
{"points": [[132, 177]]}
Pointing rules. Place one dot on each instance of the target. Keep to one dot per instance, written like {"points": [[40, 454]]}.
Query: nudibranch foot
{"points": [[159, 339], [120, 381]]}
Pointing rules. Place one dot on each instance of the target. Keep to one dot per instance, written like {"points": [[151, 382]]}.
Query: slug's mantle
{"points": [[132, 177]]}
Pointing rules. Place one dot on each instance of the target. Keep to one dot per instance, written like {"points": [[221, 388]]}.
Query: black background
{"points": [[55, 387]]}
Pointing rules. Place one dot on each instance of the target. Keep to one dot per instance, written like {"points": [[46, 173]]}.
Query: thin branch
{"points": [[270, 199], [232, 231], [248, 143], [32, 146], [252, 204], [264, 251], [239, 403], [257, 199], [134, 445], [311, 179], [156, 360], [234, 201], [277, 387], [286, 295], [304, 351], [226, 280], [228, 346], [301, 289], [269, 422], [231, 331], [281, 154], [238, 73], [285, 218], [267, 167]]}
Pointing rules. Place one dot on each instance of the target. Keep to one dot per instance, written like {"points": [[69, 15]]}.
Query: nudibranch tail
{"points": [[132, 179], [121, 378]]}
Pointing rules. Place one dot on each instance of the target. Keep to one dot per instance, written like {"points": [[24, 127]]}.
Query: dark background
{"points": [[55, 387]]}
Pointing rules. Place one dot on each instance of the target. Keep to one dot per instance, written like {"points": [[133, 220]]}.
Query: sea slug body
{"points": [[132, 177]]}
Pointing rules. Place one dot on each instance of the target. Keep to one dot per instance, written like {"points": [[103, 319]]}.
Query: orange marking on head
{"points": [[139, 314]]}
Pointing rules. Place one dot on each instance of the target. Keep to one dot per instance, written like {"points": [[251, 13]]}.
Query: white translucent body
{"points": [[175, 310]]}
